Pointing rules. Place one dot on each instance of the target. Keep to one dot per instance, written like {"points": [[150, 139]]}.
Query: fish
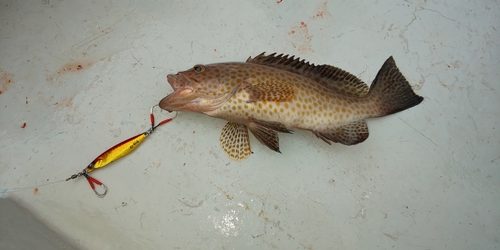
{"points": [[271, 94]]}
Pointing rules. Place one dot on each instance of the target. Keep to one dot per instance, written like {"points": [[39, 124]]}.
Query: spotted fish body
{"points": [[277, 93]]}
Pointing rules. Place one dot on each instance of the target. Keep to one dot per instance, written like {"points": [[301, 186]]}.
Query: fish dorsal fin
{"points": [[331, 77]]}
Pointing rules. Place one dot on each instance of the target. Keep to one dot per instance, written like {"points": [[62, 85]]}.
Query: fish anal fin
{"points": [[349, 134], [265, 136], [331, 77], [271, 92], [276, 126], [235, 141]]}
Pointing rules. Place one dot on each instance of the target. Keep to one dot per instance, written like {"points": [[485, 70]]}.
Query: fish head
{"points": [[202, 88]]}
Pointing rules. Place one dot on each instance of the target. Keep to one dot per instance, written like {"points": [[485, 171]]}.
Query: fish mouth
{"points": [[186, 98], [178, 100], [181, 96]]}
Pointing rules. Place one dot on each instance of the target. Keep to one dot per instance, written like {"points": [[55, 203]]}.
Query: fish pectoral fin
{"points": [[276, 126], [349, 134], [235, 141], [271, 91], [265, 136]]}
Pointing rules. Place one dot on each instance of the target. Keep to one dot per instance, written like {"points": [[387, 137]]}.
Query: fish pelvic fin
{"points": [[349, 134], [390, 90], [276, 126], [235, 141], [266, 136]]}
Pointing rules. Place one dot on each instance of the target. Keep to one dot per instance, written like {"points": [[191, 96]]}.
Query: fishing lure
{"points": [[116, 152]]}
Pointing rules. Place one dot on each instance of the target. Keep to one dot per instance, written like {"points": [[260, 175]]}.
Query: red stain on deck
{"points": [[66, 102], [24, 125], [35, 191], [319, 15], [301, 38], [26, 100], [5, 81], [322, 12], [71, 67], [279, 1]]}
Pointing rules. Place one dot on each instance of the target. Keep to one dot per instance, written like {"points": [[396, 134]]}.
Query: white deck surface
{"points": [[426, 178]]}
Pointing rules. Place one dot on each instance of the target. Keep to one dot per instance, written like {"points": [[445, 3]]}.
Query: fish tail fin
{"points": [[390, 90]]}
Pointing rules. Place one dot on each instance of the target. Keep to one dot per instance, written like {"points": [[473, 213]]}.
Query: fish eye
{"points": [[198, 68]]}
